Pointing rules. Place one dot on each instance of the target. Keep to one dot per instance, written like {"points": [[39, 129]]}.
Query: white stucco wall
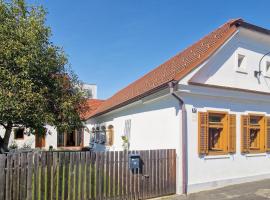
{"points": [[215, 171], [155, 124]]}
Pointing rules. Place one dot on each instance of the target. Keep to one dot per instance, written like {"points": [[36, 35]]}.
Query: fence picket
{"points": [[54, 176], [93, 177], [61, 177], [36, 176], [29, 176], [66, 177], [125, 174], [106, 175], [3, 159], [77, 175], [15, 171], [42, 179], [72, 176], [49, 174], [116, 182], [111, 174], [87, 175], [82, 182]]}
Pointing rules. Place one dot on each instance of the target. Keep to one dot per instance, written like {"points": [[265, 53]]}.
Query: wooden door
{"points": [[40, 141]]}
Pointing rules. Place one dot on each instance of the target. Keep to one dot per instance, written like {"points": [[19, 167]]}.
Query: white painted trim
{"points": [[215, 157], [195, 90], [256, 155]]}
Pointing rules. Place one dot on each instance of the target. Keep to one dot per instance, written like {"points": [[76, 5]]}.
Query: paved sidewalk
{"points": [[259, 190]]}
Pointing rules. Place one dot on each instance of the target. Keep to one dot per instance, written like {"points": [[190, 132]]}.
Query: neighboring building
{"points": [[90, 90], [210, 102], [74, 140]]}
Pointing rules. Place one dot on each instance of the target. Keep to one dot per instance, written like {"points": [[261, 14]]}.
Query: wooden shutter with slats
{"points": [[245, 137], [267, 134], [232, 133], [203, 133]]}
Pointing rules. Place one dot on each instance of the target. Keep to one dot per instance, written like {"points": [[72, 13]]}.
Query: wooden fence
{"points": [[86, 175]]}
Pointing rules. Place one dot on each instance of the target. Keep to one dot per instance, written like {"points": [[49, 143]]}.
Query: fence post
{"points": [[29, 175]]}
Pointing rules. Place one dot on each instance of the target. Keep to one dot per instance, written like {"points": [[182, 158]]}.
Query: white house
{"points": [[210, 102], [75, 140]]}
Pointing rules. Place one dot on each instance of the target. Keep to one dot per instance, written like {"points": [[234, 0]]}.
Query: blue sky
{"points": [[114, 42]]}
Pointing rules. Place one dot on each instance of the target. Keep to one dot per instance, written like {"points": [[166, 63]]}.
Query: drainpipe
{"points": [[183, 132]]}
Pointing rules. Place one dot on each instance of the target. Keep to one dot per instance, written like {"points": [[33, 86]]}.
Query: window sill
{"points": [[242, 71], [214, 157], [256, 155], [267, 75]]}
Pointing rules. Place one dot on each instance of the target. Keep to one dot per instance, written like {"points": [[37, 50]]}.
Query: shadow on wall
{"points": [[160, 104]]}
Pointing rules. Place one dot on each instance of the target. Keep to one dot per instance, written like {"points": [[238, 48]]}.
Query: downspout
{"points": [[183, 132]]}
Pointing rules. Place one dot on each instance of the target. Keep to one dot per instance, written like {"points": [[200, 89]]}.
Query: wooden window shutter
{"points": [[232, 133], [245, 139], [267, 134], [203, 133], [110, 136]]}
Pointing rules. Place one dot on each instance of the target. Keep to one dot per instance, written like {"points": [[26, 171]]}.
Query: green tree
{"points": [[37, 86]]}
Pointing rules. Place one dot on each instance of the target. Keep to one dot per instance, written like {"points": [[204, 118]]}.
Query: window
{"points": [[72, 138], [255, 133], [241, 63], [127, 129], [110, 135], [217, 133], [60, 139], [241, 59], [19, 133], [267, 68]]}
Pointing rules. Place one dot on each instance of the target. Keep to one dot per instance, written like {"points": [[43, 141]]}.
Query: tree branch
{"points": [[3, 125]]}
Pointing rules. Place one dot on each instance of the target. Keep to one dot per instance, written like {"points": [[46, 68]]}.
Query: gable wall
{"points": [[221, 69]]}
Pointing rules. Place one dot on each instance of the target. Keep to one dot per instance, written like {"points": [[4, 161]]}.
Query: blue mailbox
{"points": [[134, 161]]}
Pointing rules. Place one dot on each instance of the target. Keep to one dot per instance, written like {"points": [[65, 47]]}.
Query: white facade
{"points": [[90, 90], [219, 84], [50, 139]]}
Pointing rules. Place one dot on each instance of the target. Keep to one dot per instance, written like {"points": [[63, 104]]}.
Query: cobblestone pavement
{"points": [[259, 190]]}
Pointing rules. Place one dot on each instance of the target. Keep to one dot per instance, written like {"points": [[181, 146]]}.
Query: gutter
{"points": [[183, 132]]}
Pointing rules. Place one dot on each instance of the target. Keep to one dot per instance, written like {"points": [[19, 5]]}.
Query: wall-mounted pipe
{"points": [[183, 132]]}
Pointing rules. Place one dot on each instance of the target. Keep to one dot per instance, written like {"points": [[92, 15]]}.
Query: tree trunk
{"points": [[4, 141]]}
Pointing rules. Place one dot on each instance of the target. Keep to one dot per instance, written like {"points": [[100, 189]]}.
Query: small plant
{"points": [[125, 143], [26, 146], [50, 148], [13, 145]]}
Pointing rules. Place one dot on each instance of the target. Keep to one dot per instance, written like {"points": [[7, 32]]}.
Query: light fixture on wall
{"points": [[258, 73]]}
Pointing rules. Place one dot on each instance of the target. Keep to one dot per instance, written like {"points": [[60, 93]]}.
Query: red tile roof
{"points": [[172, 70], [91, 106]]}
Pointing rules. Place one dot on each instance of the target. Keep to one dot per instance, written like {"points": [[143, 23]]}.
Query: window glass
{"points": [[256, 133], [19, 133], [217, 132]]}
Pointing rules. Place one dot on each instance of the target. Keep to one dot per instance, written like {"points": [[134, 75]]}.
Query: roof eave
{"points": [[161, 87]]}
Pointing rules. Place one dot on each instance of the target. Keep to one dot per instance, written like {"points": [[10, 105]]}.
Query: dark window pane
{"points": [[215, 118], [19, 133]]}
